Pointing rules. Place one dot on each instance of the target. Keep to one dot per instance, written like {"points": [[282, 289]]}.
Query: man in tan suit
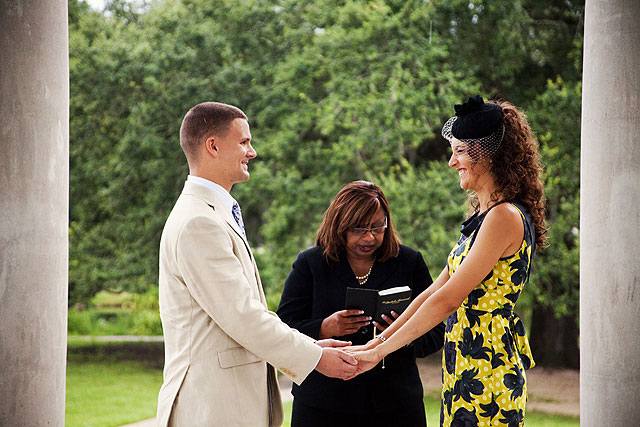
{"points": [[221, 341]]}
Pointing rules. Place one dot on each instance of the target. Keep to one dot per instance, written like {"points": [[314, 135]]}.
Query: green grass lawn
{"points": [[111, 384]]}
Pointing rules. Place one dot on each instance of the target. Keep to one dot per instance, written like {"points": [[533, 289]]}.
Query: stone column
{"points": [[34, 210], [610, 216]]}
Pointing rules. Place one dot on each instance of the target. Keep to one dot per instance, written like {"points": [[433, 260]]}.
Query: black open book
{"points": [[375, 303]]}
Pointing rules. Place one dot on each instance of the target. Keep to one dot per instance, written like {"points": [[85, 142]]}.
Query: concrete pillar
{"points": [[34, 210], [610, 216]]}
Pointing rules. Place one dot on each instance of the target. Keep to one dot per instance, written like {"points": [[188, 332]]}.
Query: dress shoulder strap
{"points": [[529, 227]]}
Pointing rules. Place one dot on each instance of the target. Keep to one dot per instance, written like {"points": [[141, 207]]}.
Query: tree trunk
{"points": [[554, 341]]}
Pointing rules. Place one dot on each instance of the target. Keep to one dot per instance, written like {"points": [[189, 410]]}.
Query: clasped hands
{"points": [[339, 358]]}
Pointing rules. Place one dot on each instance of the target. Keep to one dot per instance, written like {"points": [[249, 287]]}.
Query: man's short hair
{"points": [[203, 121]]}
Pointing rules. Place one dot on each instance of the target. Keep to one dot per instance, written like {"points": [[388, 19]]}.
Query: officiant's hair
{"points": [[203, 121], [354, 206]]}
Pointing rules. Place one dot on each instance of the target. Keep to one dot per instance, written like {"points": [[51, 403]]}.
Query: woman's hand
{"points": [[364, 347], [343, 322], [387, 319], [366, 360], [330, 342]]}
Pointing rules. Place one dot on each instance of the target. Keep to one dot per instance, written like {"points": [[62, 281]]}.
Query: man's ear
{"points": [[211, 145]]}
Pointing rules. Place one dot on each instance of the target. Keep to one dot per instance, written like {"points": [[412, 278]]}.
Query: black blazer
{"points": [[315, 289]]}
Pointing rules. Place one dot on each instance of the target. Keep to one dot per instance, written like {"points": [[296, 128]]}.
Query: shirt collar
{"points": [[224, 196]]}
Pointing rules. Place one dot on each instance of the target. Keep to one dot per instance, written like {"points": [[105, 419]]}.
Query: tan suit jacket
{"points": [[221, 341]]}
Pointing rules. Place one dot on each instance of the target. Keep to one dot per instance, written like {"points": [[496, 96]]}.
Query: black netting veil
{"points": [[478, 125]]}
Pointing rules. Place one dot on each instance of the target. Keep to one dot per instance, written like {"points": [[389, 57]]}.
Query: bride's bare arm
{"points": [[410, 311], [496, 237]]}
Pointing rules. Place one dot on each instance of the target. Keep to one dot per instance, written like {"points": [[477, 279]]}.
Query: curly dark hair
{"points": [[516, 169]]}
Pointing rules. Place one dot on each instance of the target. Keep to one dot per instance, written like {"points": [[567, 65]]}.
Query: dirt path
{"points": [[550, 390]]}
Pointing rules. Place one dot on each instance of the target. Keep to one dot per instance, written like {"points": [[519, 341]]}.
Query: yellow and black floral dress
{"points": [[486, 350]]}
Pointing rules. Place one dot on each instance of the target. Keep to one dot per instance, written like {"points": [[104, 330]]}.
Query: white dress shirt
{"points": [[224, 196]]}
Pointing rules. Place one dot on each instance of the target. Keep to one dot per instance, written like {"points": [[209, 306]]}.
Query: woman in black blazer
{"points": [[356, 247]]}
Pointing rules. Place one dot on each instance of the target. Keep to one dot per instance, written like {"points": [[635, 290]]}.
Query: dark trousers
{"points": [[409, 415]]}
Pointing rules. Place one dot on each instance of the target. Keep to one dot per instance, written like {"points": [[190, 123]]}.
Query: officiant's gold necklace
{"points": [[363, 279]]}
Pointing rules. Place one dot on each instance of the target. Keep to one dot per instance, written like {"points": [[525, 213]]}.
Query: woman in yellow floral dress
{"points": [[486, 350]]}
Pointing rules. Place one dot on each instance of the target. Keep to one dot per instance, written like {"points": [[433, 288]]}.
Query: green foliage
{"points": [[359, 92], [339, 91], [427, 206], [512, 47], [97, 323], [336, 90], [556, 116], [80, 322], [117, 314]]}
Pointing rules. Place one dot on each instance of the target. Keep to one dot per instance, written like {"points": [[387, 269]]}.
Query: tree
{"points": [[357, 94], [428, 207], [512, 47], [555, 278], [335, 90], [100, 103], [133, 76]]}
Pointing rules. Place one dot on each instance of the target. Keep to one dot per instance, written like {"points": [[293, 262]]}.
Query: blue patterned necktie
{"points": [[237, 215]]}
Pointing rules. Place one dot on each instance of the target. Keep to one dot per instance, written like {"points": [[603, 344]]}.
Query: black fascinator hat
{"points": [[477, 123]]}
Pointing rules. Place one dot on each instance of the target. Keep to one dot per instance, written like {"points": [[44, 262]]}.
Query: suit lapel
{"points": [[234, 226], [216, 204], [218, 207]]}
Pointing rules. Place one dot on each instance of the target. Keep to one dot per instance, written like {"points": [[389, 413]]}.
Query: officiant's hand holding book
{"points": [[382, 306], [379, 304], [343, 322]]}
